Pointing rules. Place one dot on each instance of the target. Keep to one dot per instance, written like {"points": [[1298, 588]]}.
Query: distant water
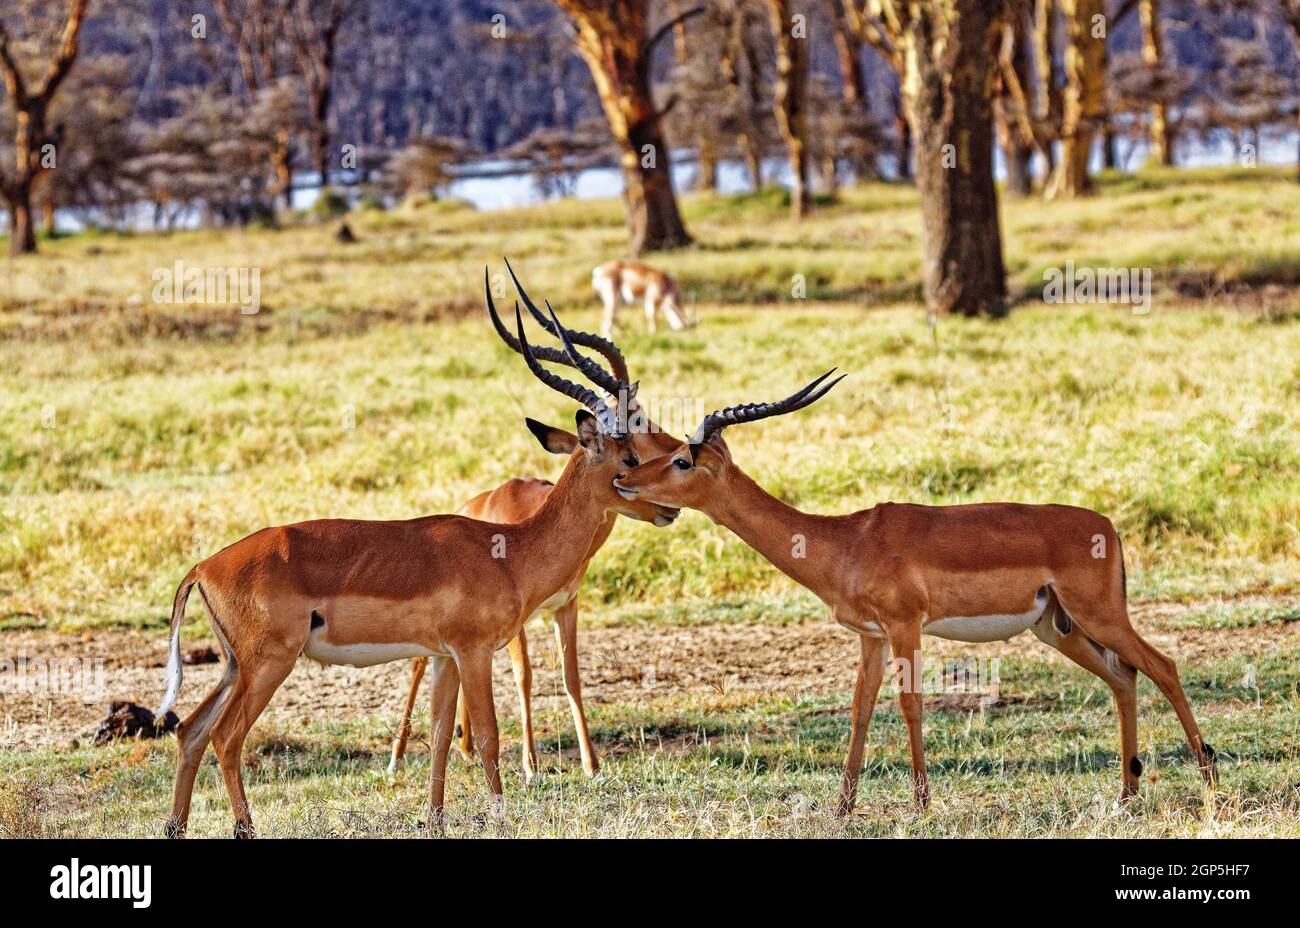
{"points": [[510, 190], [594, 183]]}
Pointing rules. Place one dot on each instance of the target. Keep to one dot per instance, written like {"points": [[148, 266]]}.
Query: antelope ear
{"points": [[707, 455], [589, 432], [556, 441]]}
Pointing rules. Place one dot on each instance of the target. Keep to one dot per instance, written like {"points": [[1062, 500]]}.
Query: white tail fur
{"points": [[175, 672]]}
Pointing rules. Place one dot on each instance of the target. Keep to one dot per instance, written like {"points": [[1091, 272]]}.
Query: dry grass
{"points": [[137, 438]]}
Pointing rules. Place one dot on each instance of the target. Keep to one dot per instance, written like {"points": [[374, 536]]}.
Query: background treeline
{"points": [[216, 110]]}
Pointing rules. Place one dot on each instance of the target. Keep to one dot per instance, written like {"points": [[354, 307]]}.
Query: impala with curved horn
{"points": [[516, 500], [980, 572], [345, 591]]}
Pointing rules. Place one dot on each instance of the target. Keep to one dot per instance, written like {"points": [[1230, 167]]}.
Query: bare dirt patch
{"points": [[618, 665]]}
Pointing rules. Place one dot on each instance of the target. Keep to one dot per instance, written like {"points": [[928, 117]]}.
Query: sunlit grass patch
{"points": [[1040, 761]]}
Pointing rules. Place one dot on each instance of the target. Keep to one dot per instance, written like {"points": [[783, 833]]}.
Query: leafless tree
{"points": [[315, 28], [612, 39], [557, 156], [1083, 112], [946, 54], [790, 39], [35, 142], [257, 32]]}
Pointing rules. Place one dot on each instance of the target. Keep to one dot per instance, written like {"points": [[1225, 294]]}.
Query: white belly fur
{"points": [[362, 654], [986, 627], [555, 601]]}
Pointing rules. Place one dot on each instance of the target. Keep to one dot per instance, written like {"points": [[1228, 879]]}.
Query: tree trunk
{"points": [[854, 86], [734, 47], [1047, 100], [904, 131], [1162, 151], [1084, 110], [1014, 126], [321, 137], [1019, 158], [22, 230], [48, 218], [950, 53], [830, 175], [612, 40], [753, 160], [654, 223], [791, 102], [282, 162], [29, 136], [707, 177]]}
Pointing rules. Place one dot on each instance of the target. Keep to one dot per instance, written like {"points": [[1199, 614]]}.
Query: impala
{"points": [[982, 572], [345, 591], [626, 283], [518, 499]]}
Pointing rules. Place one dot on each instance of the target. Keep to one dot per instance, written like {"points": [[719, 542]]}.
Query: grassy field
{"points": [[137, 438]]}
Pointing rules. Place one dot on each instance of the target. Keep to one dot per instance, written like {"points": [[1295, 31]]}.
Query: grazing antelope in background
{"points": [[346, 591], [626, 283], [981, 572], [516, 500]]}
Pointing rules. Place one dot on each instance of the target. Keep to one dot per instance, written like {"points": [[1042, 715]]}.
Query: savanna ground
{"points": [[137, 438]]}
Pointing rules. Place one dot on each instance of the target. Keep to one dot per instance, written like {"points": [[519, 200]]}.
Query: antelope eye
{"points": [[682, 463], [631, 460]]}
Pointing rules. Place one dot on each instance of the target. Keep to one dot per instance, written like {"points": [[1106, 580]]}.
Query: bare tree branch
{"points": [[669, 26]]}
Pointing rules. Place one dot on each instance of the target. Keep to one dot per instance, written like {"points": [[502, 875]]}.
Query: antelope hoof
{"points": [[1209, 765], [244, 831], [174, 829], [922, 797]]}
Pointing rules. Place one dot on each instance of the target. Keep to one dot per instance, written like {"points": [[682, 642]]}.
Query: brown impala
{"points": [[982, 572], [518, 499], [345, 591]]}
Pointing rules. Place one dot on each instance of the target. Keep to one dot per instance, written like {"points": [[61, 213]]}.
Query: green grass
{"points": [[736, 765], [136, 439], [1181, 426]]}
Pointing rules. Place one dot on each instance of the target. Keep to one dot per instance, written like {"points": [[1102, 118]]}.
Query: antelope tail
{"points": [[174, 672]]}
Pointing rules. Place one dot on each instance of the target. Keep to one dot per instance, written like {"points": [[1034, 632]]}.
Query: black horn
{"points": [[604, 415], [715, 422], [595, 373], [552, 355], [606, 348]]}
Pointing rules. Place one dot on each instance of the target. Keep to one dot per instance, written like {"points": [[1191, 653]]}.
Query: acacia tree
{"points": [[315, 27], [858, 129], [30, 102], [256, 29], [611, 37], [1084, 103], [1014, 121], [742, 69], [944, 51], [700, 80], [1046, 101], [790, 38], [1291, 13], [874, 24], [1153, 52]]}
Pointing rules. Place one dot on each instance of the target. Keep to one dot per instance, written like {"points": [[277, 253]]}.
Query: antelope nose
{"points": [[624, 491]]}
